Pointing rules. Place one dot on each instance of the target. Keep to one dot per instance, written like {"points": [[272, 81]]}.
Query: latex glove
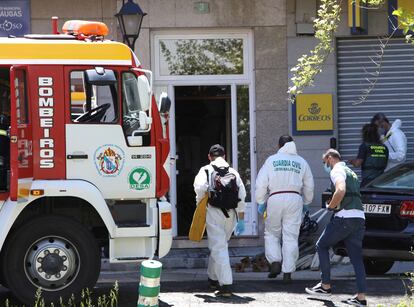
{"points": [[305, 209], [239, 227], [261, 208], [328, 208]]}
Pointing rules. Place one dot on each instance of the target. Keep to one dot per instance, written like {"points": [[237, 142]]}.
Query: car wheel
{"points": [[56, 254], [377, 267]]}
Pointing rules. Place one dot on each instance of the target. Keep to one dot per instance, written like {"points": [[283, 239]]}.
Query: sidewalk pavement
{"points": [[189, 288], [339, 272]]}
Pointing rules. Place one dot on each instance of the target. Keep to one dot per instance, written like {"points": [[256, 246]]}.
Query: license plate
{"points": [[377, 209]]}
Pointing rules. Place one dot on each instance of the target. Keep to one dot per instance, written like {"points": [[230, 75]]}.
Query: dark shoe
{"points": [[287, 278], [318, 290], [224, 291], [356, 302], [275, 269], [213, 284]]}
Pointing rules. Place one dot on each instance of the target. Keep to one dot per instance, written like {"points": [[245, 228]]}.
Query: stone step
{"points": [[187, 258], [193, 258]]}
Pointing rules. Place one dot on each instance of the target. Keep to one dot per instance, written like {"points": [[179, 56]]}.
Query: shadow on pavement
{"points": [[234, 299], [327, 303], [378, 287], [164, 304]]}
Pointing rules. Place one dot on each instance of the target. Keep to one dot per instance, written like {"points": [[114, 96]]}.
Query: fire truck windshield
{"points": [[92, 103]]}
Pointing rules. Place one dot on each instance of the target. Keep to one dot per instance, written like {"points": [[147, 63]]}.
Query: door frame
{"points": [[248, 78]]}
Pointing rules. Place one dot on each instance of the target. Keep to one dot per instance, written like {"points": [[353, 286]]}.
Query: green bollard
{"points": [[149, 285]]}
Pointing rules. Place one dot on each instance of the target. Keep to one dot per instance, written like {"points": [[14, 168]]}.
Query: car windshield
{"points": [[400, 177]]}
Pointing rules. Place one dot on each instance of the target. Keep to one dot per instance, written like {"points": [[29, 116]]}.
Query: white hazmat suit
{"points": [[290, 176], [219, 228], [396, 142]]}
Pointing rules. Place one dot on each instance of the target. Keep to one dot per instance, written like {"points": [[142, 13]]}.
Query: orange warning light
{"points": [[166, 222], [37, 192], [87, 28]]}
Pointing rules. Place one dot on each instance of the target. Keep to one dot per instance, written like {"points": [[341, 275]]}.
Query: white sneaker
{"points": [[318, 290]]}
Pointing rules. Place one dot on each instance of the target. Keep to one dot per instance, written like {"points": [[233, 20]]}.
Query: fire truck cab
{"points": [[83, 161]]}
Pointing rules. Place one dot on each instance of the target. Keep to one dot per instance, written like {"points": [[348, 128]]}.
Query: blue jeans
{"points": [[351, 231]]}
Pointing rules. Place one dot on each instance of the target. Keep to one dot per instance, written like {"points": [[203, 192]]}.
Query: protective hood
{"points": [[220, 162], [289, 148], [396, 124]]}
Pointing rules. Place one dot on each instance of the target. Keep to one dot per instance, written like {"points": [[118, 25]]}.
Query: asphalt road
{"points": [[385, 291]]}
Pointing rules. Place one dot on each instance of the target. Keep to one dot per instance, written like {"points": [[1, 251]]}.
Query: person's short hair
{"points": [[285, 139], [379, 117], [331, 153], [217, 151]]}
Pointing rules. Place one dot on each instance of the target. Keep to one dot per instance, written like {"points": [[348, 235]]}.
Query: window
{"points": [[213, 54], [21, 97], [92, 103], [219, 56], [131, 105], [243, 137], [400, 178]]}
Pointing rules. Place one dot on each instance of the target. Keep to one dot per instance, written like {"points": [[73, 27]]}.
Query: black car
{"points": [[389, 211]]}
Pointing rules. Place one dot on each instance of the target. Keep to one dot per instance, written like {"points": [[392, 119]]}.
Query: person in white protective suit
{"points": [[220, 223], [392, 137], [285, 182]]}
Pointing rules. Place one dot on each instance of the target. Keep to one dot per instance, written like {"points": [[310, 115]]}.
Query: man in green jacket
{"points": [[347, 224]]}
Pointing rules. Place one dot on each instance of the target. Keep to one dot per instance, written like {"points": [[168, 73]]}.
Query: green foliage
{"points": [[408, 302], [325, 25], [309, 65], [204, 57], [87, 300], [405, 22], [375, 3]]}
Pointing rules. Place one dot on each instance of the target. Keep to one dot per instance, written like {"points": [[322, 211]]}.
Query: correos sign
{"points": [[313, 113]]}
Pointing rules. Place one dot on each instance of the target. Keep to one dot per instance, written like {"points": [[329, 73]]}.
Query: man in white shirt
{"points": [[220, 222], [285, 181], [393, 137], [348, 225]]}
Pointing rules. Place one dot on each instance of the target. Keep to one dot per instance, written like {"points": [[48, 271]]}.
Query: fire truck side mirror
{"points": [[144, 91], [144, 126], [135, 140], [144, 121], [100, 76], [164, 103]]}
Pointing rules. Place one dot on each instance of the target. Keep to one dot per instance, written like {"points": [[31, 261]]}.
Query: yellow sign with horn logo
{"points": [[313, 113]]}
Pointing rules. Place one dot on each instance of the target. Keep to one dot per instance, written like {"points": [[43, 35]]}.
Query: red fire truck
{"points": [[87, 169]]}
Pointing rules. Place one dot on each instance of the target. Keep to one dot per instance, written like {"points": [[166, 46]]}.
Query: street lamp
{"points": [[130, 19]]}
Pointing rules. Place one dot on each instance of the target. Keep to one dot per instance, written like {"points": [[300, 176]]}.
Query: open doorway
{"points": [[203, 118]]}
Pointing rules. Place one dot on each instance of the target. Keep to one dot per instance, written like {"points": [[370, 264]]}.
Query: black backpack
{"points": [[223, 189]]}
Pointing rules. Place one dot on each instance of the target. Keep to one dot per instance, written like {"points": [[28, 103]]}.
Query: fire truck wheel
{"points": [[2, 277], [54, 253]]}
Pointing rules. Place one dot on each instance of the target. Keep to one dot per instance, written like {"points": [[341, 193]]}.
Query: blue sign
{"points": [[14, 17]]}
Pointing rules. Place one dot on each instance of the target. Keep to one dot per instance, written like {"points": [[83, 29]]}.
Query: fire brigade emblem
{"points": [[139, 179], [109, 160]]}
